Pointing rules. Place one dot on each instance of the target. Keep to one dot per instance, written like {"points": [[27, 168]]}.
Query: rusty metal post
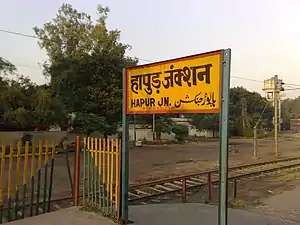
{"points": [[76, 171], [209, 186], [184, 190], [234, 189]]}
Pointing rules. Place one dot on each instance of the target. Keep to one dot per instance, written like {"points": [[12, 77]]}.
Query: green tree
{"points": [[181, 132], [85, 64], [163, 125], [290, 109], [245, 108], [206, 121], [6, 66]]}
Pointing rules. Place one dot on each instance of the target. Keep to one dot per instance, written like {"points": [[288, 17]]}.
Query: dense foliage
{"points": [[245, 110]]}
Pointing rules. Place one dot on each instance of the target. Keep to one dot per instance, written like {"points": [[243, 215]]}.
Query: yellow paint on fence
{"points": [[117, 175], [184, 85], [93, 171], [18, 165], [25, 174], [100, 160], [104, 168], [53, 150], [10, 167], [84, 170], [32, 170], [112, 168], [40, 155], [105, 159], [2, 172], [46, 152], [89, 167], [108, 165], [15, 159]]}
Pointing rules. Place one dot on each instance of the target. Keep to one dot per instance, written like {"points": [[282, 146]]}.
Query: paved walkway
{"points": [[197, 214], [69, 216], [161, 214], [285, 205]]}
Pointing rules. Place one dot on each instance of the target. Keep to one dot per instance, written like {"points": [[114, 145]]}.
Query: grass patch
{"points": [[237, 203], [102, 211]]}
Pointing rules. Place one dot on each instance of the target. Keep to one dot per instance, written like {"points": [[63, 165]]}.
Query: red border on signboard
{"points": [[201, 55]]}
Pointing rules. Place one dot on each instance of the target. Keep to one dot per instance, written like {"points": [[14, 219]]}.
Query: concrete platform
{"points": [[160, 214], [69, 216], [197, 214]]}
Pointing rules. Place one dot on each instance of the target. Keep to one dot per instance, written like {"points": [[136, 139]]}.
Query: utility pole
{"points": [[279, 109], [276, 114], [244, 108], [255, 156], [153, 126], [255, 142], [134, 129]]}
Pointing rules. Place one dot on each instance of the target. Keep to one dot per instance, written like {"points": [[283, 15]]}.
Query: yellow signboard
{"points": [[185, 85]]}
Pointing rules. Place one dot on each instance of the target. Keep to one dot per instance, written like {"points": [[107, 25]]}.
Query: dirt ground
{"points": [[154, 162], [276, 194]]}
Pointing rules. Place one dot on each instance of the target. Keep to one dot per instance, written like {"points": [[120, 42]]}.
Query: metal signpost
{"points": [[223, 154], [192, 84]]}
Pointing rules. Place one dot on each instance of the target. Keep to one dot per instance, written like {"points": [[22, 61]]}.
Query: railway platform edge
{"points": [[68, 216], [155, 214]]}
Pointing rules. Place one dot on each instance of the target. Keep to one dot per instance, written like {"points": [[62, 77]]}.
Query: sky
{"points": [[263, 35]]}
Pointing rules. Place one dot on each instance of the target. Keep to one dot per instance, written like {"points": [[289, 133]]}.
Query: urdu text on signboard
{"points": [[185, 85]]}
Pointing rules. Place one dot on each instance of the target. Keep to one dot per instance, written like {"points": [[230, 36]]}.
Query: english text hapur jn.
{"points": [[150, 102]]}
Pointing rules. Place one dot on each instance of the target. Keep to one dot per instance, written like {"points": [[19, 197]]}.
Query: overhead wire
{"points": [[141, 59]]}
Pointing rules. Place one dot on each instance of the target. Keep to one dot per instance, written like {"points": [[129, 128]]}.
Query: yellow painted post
{"points": [[45, 176], [32, 167], [118, 178], [53, 152], [25, 178], [40, 155], [10, 168], [46, 152], [108, 166], [88, 169], [32, 172], [84, 170], [18, 165], [101, 172], [39, 177], [104, 174], [2, 178], [9, 188], [112, 167], [17, 178], [96, 170], [92, 152]]}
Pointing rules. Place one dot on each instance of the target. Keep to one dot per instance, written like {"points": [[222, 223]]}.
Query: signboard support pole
{"points": [[223, 161], [124, 156]]}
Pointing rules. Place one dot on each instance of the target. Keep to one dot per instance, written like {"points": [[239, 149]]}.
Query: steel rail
{"points": [[150, 190]]}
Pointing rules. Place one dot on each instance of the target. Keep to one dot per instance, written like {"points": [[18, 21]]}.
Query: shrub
{"points": [[181, 132]]}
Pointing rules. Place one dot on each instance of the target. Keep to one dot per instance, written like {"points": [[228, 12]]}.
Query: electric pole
{"points": [[279, 113], [153, 127], [255, 156], [134, 129], [244, 108], [276, 114]]}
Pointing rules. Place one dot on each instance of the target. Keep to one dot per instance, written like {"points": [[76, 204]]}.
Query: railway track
{"points": [[153, 191]]}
